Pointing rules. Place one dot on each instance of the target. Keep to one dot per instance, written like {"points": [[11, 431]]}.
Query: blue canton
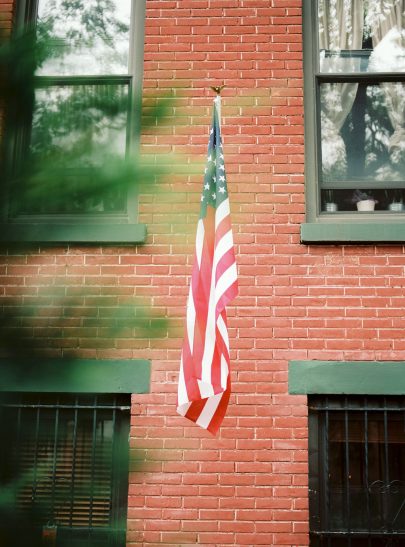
{"points": [[214, 189]]}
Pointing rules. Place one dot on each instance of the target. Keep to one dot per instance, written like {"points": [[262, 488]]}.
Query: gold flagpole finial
{"points": [[217, 88]]}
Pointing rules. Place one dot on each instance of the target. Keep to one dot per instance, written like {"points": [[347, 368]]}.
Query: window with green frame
{"points": [[354, 78], [80, 123], [65, 462], [356, 447]]}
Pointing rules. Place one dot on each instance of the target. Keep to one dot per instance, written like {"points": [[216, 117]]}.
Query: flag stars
{"points": [[206, 186], [222, 190], [214, 196], [222, 178], [222, 167]]}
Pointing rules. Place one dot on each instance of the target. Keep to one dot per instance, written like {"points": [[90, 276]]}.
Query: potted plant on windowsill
{"points": [[397, 203], [330, 204], [363, 201]]}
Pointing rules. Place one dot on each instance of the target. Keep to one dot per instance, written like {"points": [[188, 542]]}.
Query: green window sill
{"points": [[41, 232], [355, 377], [75, 375], [352, 232]]}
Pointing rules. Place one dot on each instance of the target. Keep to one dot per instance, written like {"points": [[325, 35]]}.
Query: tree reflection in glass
{"points": [[80, 110], [93, 36], [75, 131]]}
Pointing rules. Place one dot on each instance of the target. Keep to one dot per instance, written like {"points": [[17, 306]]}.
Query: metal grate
{"points": [[357, 471], [67, 462]]}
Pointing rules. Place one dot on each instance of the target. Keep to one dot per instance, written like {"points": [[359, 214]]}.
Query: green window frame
{"points": [[323, 223], [105, 225], [348, 377]]}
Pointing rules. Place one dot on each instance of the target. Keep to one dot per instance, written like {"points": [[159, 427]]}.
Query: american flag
{"points": [[204, 382]]}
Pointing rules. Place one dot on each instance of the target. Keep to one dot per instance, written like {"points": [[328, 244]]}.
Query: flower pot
{"points": [[331, 207], [396, 206], [366, 205]]}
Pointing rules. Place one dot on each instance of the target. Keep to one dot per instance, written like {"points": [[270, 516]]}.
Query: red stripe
{"points": [[201, 288], [216, 365], [221, 410], [196, 407], [224, 263], [190, 378], [223, 227]]}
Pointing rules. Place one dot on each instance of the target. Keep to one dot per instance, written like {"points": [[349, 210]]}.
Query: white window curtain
{"points": [[340, 28]]}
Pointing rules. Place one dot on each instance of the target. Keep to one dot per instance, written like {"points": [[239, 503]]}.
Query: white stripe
{"points": [[224, 372], [182, 395], [183, 409], [190, 318], [199, 241], [223, 330], [209, 410], [225, 281], [209, 342], [221, 212], [223, 246], [206, 389]]}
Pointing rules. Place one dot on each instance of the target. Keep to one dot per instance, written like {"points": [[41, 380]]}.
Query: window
{"points": [[66, 457], [79, 120], [357, 470], [354, 117]]}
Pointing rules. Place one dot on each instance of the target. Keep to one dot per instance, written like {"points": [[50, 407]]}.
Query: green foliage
{"points": [[71, 142]]}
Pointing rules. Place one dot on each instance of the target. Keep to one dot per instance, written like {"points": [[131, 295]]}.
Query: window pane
{"points": [[91, 36], [79, 123], [361, 36], [75, 130], [362, 132]]}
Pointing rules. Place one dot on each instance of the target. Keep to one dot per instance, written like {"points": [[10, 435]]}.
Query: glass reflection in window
{"points": [[91, 36]]}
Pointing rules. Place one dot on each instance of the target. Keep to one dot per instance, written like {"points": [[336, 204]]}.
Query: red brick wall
{"points": [[247, 486]]}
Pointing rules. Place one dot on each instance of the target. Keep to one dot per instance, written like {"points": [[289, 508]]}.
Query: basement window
{"points": [[357, 470], [64, 463]]}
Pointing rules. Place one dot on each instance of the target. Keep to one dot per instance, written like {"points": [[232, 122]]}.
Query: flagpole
{"points": [[217, 102]]}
